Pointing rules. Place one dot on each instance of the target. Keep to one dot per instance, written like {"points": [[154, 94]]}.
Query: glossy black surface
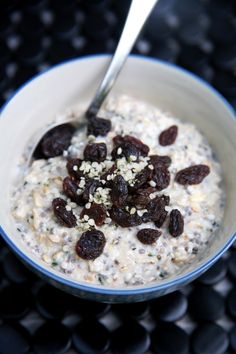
{"points": [[51, 302], [14, 339], [169, 338], [233, 338], [209, 338], [15, 302], [215, 274], [231, 302], [52, 338], [130, 338], [206, 304], [170, 308], [14, 270], [232, 265], [90, 336]]}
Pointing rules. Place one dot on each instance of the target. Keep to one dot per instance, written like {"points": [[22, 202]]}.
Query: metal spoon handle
{"points": [[137, 16]]}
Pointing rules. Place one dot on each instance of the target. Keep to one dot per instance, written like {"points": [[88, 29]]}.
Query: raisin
{"points": [[90, 188], [161, 176], [176, 223], [90, 245], [119, 191], [119, 140], [168, 136], [192, 175], [148, 236], [141, 197], [70, 188], [141, 178], [125, 150], [73, 168], [160, 218], [123, 218], [109, 172], [95, 152], [166, 199], [56, 140], [98, 126], [160, 161], [97, 212], [155, 211], [65, 217]]}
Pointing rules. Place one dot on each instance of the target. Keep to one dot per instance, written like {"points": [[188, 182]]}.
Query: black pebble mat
{"points": [[199, 35]]}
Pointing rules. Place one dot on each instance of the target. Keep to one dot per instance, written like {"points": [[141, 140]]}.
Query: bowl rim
{"points": [[92, 288]]}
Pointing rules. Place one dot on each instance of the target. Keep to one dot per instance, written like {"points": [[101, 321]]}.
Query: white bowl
{"points": [[167, 87]]}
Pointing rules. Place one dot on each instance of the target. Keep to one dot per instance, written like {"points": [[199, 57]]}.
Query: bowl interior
{"points": [[75, 82]]}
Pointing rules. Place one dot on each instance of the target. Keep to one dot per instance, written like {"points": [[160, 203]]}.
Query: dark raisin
{"points": [[95, 152], [160, 218], [119, 191], [56, 140], [142, 178], [70, 188], [155, 211], [125, 150], [192, 175], [90, 188], [119, 140], [97, 212], [65, 217], [109, 172], [123, 218], [90, 245], [98, 126], [176, 223], [168, 136], [161, 176], [141, 197], [73, 168], [148, 236], [160, 161], [165, 198]]}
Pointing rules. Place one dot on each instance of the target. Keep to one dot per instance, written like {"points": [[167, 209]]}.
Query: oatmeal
{"points": [[131, 199]]}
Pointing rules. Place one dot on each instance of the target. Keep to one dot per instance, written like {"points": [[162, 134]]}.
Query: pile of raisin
{"points": [[132, 204]]}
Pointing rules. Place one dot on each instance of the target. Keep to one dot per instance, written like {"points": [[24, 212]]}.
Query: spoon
{"points": [[137, 16]]}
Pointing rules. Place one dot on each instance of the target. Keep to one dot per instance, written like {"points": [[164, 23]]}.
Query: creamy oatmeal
{"points": [[84, 217]]}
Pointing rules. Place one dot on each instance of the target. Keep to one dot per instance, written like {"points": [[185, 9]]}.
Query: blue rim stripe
{"points": [[104, 291]]}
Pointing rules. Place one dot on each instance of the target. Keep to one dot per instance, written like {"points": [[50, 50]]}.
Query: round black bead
{"points": [[232, 265], [90, 336], [170, 307], [14, 338], [215, 274], [15, 270], [225, 82], [130, 338], [231, 302], [89, 308], [225, 57], [30, 52], [51, 302], [232, 336], [15, 302], [138, 310], [52, 338], [209, 338], [203, 309], [171, 339], [64, 27]]}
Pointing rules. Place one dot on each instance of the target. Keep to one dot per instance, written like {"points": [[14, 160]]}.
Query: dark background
{"points": [[36, 318]]}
